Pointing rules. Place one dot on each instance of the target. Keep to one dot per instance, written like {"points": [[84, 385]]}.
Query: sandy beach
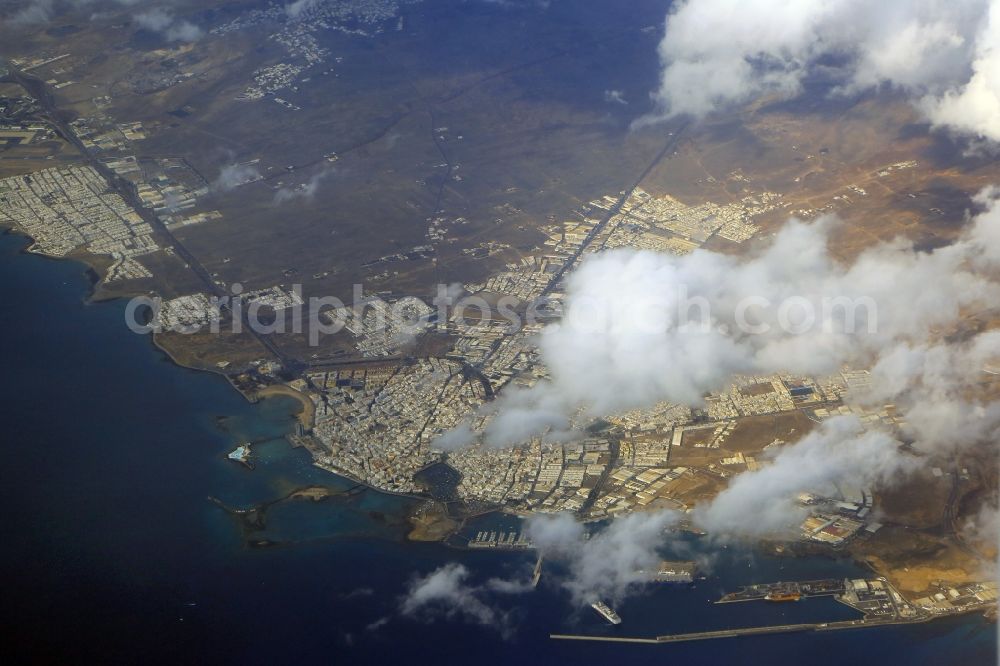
{"points": [[308, 410]]}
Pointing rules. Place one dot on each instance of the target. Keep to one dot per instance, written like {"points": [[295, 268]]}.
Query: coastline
{"points": [[306, 413], [93, 270], [308, 410], [94, 264], [93, 273], [336, 567]]}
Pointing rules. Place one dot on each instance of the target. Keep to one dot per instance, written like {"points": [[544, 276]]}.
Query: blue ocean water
{"points": [[112, 550]]}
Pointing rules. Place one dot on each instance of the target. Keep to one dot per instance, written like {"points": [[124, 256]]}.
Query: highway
{"points": [[670, 146]]}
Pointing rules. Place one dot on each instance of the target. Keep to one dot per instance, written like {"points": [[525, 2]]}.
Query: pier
{"points": [[744, 631], [803, 589], [501, 540], [878, 601]]}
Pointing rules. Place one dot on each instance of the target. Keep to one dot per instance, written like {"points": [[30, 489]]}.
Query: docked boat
{"points": [[607, 612]]}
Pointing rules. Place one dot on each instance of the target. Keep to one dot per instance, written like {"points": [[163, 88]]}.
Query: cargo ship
{"points": [[783, 596], [606, 611]]}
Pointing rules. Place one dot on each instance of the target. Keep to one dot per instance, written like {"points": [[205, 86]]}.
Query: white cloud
{"points": [[974, 108], [610, 563], [622, 344], [613, 562], [984, 526], [932, 384], [173, 30], [447, 586], [157, 19], [615, 96], [840, 451], [36, 11], [183, 31], [458, 437], [985, 231], [944, 53], [634, 330], [447, 592], [305, 191], [233, 175], [299, 7]]}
